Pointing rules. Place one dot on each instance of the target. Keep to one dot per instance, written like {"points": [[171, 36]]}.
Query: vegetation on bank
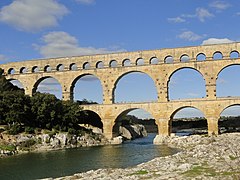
{"points": [[20, 112]]}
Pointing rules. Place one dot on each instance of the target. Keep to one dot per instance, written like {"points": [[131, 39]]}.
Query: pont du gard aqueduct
{"points": [[160, 65]]}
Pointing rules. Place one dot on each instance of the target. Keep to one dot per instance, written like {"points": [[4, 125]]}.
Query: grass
{"points": [[140, 172], [8, 147], [232, 157]]}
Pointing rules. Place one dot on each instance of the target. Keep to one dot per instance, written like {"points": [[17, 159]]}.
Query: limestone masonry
{"points": [[160, 65]]}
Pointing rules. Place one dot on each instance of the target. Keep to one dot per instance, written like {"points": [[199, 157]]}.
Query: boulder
{"points": [[117, 140], [132, 131]]}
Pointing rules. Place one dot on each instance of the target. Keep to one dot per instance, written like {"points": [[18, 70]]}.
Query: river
{"points": [[67, 162]]}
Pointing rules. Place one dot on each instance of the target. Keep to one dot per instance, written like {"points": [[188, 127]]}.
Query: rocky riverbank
{"points": [[201, 157]]}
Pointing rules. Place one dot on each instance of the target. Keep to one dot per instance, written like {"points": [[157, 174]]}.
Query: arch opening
{"points": [[23, 70], [126, 62], [168, 59], [73, 67], [92, 121], [234, 54], [86, 65], [201, 57], [35, 69], [113, 63], [217, 55], [188, 121], [186, 83], [47, 68], [11, 71], [134, 123], [87, 89], [134, 87], [140, 62], [154, 60], [229, 121], [16, 83], [48, 85], [185, 58], [60, 67], [100, 65], [227, 84]]}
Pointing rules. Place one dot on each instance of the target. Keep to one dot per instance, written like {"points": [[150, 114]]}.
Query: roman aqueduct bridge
{"points": [[160, 65]]}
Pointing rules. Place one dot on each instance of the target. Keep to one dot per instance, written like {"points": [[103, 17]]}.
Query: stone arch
{"points": [[189, 122], [217, 55], [201, 57], [86, 65], [17, 83], [91, 120], [229, 80], [169, 59], [234, 54], [126, 62], [229, 120], [113, 63], [201, 77], [35, 69], [23, 70], [154, 60], [99, 65], [11, 71], [123, 114], [55, 83], [148, 77], [73, 67], [47, 68], [60, 67], [184, 58], [140, 62], [88, 78]]}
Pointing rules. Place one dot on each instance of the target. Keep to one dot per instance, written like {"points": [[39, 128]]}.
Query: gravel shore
{"points": [[201, 157]]}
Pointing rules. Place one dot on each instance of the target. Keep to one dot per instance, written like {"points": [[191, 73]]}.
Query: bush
{"points": [[15, 129], [72, 131], [29, 130]]}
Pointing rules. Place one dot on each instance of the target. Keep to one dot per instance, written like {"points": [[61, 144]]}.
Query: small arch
{"points": [[230, 119], [86, 65], [188, 120], [100, 65], [126, 62], [154, 60], [113, 63], [185, 58], [169, 59], [140, 62], [201, 57], [47, 68], [35, 69], [23, 70], [234, 55], [60, 67], [73, 67], [11, 71], [217, 55]]}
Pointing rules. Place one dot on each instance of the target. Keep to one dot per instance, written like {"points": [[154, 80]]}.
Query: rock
{"points": [[55, 142], [45, 138], [62, 138], [160, 139], [132, 131], [117, 140]]}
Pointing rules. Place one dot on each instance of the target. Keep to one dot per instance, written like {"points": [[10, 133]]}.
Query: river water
{"points": [[70, 161]]}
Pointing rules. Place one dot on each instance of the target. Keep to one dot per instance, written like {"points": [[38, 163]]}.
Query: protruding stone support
{"points": [[211, 91], [164, 127], [212, 125], [66, 96]]}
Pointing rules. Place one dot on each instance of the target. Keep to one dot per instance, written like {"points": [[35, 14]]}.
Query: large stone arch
{"points": [[18, 81], [171, 73], [36, 84], [121, 75], [93, 119], [76, 78]]}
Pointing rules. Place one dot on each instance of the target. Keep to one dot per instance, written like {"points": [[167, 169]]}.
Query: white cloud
{"points": [[192, 94], [220, 5], [189, 36], [32, 15], [86, 1], [59, 43], [216, 41], [203, 13], [2, 57], [176, 20]]}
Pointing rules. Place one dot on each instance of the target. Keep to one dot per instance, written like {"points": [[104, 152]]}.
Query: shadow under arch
{"points": [[229, 121], [145, 77], [88, 77], [227, 81], [188, 120], [200, 93], [53, 86], [91, 120], [134, 116]]}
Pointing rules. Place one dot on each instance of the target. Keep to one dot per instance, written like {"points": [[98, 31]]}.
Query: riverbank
{"points": [[202, 157]]}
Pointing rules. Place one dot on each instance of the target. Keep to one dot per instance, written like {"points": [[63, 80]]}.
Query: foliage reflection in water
{"points": [[70, 161]]}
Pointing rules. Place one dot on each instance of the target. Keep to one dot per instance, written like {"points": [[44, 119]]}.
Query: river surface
{"points": [[70, 161]]}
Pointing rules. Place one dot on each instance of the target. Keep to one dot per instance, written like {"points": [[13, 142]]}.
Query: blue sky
{"points": [[32, 29]]}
